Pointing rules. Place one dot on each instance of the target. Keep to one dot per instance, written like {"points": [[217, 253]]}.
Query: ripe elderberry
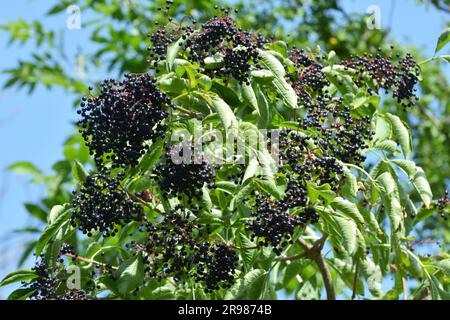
{"points": [[400, 78], [238, 48], [274, 225], [183, 173], [178, 247], [443, 203], [116, 124], [101, 203]]}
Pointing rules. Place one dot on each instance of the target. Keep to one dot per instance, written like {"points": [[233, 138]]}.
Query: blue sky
{"points": [[34, 127]]}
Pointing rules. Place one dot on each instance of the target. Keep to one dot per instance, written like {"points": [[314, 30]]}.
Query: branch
{"points": [[189, 112], [314, 253], [76, 257], [144, 203]]}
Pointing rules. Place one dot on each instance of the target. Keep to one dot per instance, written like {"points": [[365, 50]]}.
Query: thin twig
{"points": [[79, 258], [355, 280], [141, 201], [405, 289], [189, 112]]}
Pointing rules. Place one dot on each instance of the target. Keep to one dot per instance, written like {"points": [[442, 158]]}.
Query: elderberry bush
{"points": [[153, 217]]}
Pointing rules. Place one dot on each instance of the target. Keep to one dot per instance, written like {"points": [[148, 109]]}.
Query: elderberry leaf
{"points": [[262, 75], [79, 172], [17, 276], [131, 274], [443, 265], [172, 52], [347, 229], [249, 97], [249, 287], [444, 38], [418, 179], [52, 229], [21, 294], [286, 92], [401, 131], [348, 208], [391, 200], [373, 276]]}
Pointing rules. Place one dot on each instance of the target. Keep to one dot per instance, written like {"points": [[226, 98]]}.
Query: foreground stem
{"points": [[314, 253]]}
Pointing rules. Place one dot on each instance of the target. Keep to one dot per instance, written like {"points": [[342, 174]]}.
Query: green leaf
{"points": [[422, 186], [214, 61], [36, 211], [205, 82], [149, 160], [444, 38], [79, 172], [55, 212], [418, 179], [391, 200], [251, 170], [249, 96], [171, 83], [17, 276], [172, 52], [286, 92], [401, 131], [247, 255], [140, 183], [351, 183], [263, 75], [263, 108], [21, 294], [131, 274], [269, 186], [24, 167], [443, 265], [26, 253], [382, 128], [373, 276], [387, 145], [250, 287], [308, 292], [52, 229], [347, 229], [226, 115], [348, 208]]}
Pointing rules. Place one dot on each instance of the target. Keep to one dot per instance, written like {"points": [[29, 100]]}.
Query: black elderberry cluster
{"points": [[101, 204], [274, 225], [215, 265], [50, 281], [118, 122], [233, 50], [179, 248], [442, 204], [337, 133], [220, 36], [309, 76], [400, 78], [182, 172], [45, 284], [75, 294]]}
